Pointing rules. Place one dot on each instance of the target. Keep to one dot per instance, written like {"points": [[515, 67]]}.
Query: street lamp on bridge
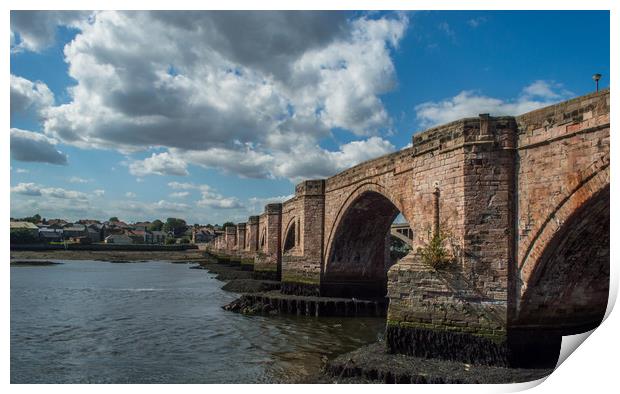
{"points": [[596, 77]]}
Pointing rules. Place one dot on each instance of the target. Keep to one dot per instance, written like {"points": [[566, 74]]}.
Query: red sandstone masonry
{"points": [[302, 220], [563, 154], [231, 238], [507, 187], [268, 260], [252, 235]]}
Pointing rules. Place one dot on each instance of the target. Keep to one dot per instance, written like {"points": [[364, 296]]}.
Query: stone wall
{"points": [[563, 163], [267, 263], [468, 166], [302, 219], [251, 235], [231, 238]]}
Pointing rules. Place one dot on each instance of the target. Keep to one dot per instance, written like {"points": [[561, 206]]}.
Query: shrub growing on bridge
{"points": [[434, 253]]}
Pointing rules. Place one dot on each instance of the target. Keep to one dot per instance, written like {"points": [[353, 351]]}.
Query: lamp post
{"points": [[596, 77]]}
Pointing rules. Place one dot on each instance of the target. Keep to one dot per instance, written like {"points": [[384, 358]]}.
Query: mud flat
{"points": [[373, 364], [27, 263], [191, 255], [238, 278]]}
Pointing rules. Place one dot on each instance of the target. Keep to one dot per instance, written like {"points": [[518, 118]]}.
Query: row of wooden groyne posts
{"points": [[243, 247]]}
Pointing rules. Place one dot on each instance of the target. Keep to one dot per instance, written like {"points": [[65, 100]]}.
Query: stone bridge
{"points": [[521, 205]]}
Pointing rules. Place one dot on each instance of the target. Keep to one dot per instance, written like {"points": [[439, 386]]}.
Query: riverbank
{"points": [[190, 255], [373, 364]]}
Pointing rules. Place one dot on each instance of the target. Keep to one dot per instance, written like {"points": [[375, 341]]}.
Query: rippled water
{"points": [[157, 322]]}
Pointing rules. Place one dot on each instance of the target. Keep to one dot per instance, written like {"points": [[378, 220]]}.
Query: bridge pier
{"points": [[251, 243], [433, 313], [302, 232], [268, 262]]}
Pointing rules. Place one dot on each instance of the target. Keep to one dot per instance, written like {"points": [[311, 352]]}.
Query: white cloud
{"points": [[130, 195], [77, 179], [445, 27], [217, 201], [27, 189], [98, 192], [256, 205], [252, 88], [245, 162], [172, 206], [36, 30], [545, 90], [35, 147], [307, 162], [27, 95], [470, 104], [58, 192], [159, 164], [475, 22], [32, 189], [22, 171], [187, 186], [209, 198], [303, 160]]}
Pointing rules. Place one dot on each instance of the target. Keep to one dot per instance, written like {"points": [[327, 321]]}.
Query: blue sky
{"points": [[142, 115]]}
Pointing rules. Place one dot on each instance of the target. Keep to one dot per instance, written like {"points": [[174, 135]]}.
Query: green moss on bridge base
{"points": [[497, 336], [265, 267], [447, 342], [301, 279], [245, 261]]}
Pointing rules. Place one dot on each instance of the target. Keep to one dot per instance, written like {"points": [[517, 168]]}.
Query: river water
{"points": [[158, 322]]}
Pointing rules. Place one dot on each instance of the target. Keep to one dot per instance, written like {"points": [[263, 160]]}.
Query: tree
{"points": [[175, 225], [36, 218], [227, 224], [156, 225], [113, 219], [23, 236]]}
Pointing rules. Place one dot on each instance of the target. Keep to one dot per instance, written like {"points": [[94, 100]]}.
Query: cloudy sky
{"points": [[210, 115]]}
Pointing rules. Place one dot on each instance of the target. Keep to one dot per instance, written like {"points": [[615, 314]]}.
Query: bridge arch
{"points": [[290, 237], [263, 235], [565, 279], [357, 257]]}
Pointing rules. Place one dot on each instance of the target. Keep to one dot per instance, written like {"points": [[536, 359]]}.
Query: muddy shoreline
{"points": [[373, 364], [191, 255]]}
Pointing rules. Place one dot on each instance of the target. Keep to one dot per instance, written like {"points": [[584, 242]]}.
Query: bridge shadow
{"points": [[567, 292], [363, 249]]}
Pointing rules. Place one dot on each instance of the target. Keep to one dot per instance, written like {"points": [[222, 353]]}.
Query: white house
{"points": [[120, 239]]}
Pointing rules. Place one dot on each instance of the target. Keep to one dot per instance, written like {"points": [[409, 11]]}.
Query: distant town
{"points": [[37, 230]]}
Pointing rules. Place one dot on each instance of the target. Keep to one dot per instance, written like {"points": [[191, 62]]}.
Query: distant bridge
{"points": [[403, 232]]}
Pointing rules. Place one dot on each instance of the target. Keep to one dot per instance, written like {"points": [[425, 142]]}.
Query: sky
{"points": [[208, 116]]}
